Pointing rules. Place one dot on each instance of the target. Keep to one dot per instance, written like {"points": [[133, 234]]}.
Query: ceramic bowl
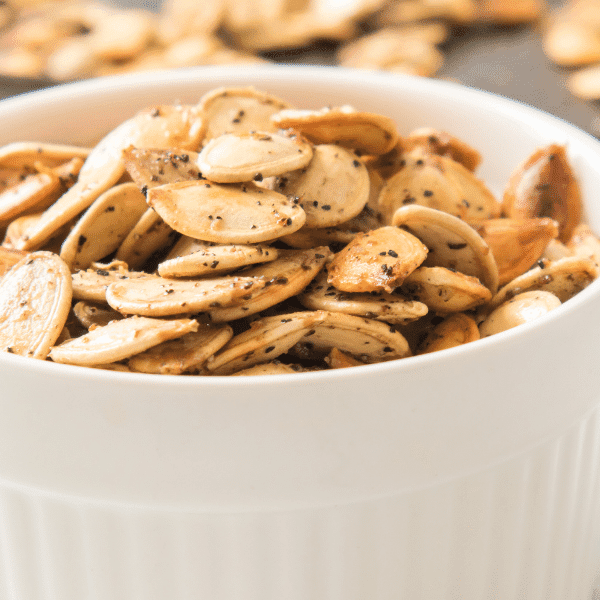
{"points": [[471, 473]]}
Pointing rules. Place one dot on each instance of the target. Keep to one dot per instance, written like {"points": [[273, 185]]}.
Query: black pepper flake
{"points": [[420, 162], [155, 113], [356, 163], [457, 246], [382, 253], [144, 189], [269, 349], [81, 241], [109, 209], [319, 255], [466, 203], [541, 264], [169, 291], [10, 350], [427, 193], [154, 178], [326, 207], [388, 349], [258, 177], [393, 253], [288, 222], [102, 273], [213, 264]]}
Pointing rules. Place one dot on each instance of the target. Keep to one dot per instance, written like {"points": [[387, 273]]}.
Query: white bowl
{"points": [[469, 474]]}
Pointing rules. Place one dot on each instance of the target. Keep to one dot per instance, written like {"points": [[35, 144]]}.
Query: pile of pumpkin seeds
{"points": [[245, 236], [63, 40]]}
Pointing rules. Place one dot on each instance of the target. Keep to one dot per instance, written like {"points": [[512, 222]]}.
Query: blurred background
{"points": [[545, 53]]}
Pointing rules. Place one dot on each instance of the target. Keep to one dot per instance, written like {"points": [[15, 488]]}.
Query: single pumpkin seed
{"points": [[119, 340], [363, 132], [522, 308], [455, 330], [332, 189], [238, 110], [239, 157], [104, 226], [193, 258], [445, 291], [35, 299], [376, 261], [544, 185], [226, 213]]}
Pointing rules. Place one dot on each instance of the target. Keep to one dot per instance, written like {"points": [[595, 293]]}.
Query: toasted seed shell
{"points": [[564, 278], [151, 167], [35, 299], [520, 309], [182, 354], [437, 182], [391, 308], [544, 185], [332, 189], [149, 235], [92, 283], [452, 243], [366, 339], [376, 261], [337, 359], [104, 226], [165, 126], [517, 244], [34, 193], [193, 258], [238, 157], [119, 340], [26, 154], [270, 368], [445, 291], [455, 330], [158, 297], [364, 132], [238, 110], [266, 339], [92, 315], [283, 278], [226, 213], [444, 144]]}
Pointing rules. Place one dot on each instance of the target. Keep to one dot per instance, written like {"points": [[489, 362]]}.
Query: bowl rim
{"points": [[493, 102]]}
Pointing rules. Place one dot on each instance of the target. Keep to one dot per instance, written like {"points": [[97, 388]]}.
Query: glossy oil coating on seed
{"points": [[242, 236], [229, 214]]}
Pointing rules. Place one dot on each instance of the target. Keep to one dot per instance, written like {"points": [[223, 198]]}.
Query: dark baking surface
{"points": [[505, 61]]}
